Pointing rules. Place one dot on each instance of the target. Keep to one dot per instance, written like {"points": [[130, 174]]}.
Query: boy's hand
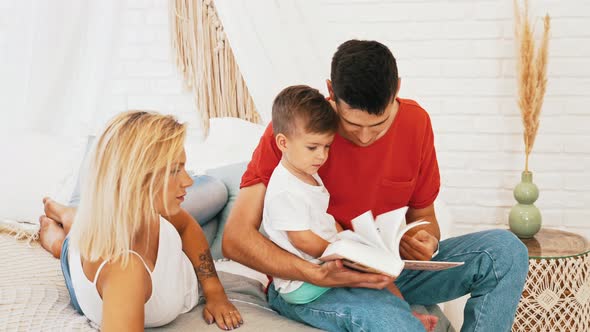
{"points": [[220, 310], [334, 274], [418, 246]]}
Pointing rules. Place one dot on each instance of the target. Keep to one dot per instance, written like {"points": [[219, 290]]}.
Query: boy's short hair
{"points": [[364, 75], [302, 105]]}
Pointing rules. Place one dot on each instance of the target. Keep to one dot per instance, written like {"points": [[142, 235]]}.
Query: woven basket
{"points": [[556, 296]]}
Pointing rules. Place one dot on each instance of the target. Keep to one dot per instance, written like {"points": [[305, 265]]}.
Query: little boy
{"points": [[296, 201]]}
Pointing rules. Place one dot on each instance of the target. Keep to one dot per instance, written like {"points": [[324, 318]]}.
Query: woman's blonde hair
{"points": [[127, 168]]}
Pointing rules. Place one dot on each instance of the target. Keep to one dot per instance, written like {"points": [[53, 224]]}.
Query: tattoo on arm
{"points": [[206, 268]]}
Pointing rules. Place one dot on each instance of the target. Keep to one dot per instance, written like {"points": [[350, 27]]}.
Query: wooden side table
{"points": [[556, 295]]}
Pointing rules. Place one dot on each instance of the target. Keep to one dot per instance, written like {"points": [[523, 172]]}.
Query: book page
{"points": [[364, 225], [389, 225], [352, 236], [364, 258]]}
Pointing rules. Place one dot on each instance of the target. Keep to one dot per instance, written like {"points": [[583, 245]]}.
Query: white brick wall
{"points": [[144, 74], [456, 58]]}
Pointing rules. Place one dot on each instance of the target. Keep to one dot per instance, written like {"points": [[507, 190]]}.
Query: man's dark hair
{"points": [[364, 75], [302, 105]]}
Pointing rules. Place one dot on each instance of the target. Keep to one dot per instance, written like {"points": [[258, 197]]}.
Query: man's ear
{"points": [[399, 85], [281, 141], [331, 98], [330, 90]]}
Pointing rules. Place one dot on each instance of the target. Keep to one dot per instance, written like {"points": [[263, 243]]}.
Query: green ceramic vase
{"points": [[525, 217]]}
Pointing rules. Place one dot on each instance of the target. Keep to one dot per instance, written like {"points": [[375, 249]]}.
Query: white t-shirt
{"points": [[293, 205]]}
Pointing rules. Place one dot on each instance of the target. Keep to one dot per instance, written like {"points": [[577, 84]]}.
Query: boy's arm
{"points": [[308, 242], [196, 248]]}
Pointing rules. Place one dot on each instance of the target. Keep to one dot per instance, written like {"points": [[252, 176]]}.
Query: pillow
{"points": [[231, 176], [36, 165], [205, 198], [230, 140], [210, 229]]}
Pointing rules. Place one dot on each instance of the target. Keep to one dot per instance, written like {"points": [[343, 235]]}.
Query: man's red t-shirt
{"points": [[398, 169]]}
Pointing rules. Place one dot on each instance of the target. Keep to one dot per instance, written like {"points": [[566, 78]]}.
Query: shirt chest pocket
{"points": [[393, 194]]}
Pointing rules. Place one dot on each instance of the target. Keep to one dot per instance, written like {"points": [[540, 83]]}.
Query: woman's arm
{"points": [[124, 292], [194, 244]]}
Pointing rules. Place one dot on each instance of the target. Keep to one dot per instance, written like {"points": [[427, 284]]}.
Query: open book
{"points": [[374, 245]]}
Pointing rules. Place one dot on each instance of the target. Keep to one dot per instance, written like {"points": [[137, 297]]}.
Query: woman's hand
{"points": [[220, 310]]}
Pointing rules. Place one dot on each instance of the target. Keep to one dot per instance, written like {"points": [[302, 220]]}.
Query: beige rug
{"points": [[33, 295]]}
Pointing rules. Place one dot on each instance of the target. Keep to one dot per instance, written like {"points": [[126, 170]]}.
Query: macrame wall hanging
{"points": [[206, 60]]}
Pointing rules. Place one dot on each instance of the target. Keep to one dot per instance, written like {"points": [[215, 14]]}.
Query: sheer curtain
{"points": [[55, 58], [54, 64]]}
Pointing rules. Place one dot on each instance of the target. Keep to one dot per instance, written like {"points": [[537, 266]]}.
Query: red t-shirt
{"points": [[398, 169]]}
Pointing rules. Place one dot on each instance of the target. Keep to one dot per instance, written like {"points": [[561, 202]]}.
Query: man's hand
{"points": [[334, 274], [418, 246]]}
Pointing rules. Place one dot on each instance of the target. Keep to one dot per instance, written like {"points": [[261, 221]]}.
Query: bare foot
{"points": [[63, 215], [51, 235], [429, 321]]}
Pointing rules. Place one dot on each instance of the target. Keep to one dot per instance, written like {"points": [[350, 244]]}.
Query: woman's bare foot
{"points": [[51, 235], [429, 321], [63, 215]]}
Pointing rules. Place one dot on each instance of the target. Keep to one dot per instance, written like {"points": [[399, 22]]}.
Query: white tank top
{"points": [[174, 282]]}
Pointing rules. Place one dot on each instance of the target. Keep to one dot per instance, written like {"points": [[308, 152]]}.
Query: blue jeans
{"points": [[496, 266], [65, 269], [204, 199]]}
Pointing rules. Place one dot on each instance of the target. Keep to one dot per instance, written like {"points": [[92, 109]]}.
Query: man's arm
{"points": [[243, 243], [420, 243]]}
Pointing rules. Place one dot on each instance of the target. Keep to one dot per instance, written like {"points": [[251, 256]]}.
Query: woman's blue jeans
{"points": [[204, 199], [496, 266]]}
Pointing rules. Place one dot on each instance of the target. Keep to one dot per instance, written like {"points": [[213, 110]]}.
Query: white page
{"points": [[352, 236], [364, 225], [389, 225], [364, 258]]}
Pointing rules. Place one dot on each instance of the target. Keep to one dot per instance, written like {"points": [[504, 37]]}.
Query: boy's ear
{"points": [[281, 141]]}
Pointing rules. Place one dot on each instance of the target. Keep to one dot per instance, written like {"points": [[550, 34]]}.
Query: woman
{"points": [[132, 256]]}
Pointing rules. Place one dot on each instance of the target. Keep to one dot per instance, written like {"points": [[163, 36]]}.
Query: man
{"points": [[382, 158]]}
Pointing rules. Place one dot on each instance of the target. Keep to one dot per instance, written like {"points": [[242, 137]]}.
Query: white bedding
{"points": [[33, 295]]}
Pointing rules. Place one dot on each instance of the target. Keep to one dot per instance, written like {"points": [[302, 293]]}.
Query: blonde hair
{"points": [[127, 168]]}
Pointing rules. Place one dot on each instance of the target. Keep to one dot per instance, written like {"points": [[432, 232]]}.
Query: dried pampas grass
{"points": [[531, 66], [206, 60]]}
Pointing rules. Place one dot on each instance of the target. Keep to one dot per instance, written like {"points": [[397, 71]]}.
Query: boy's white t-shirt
{"points": [[293, 205]]}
